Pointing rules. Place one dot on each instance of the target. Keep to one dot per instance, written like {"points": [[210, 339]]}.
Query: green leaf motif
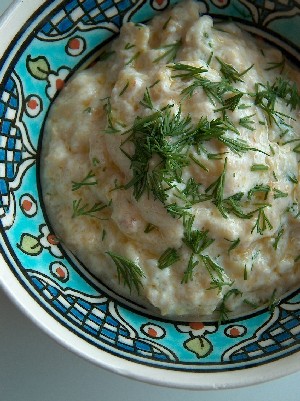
{"points": [[199, 346], [38, 67], [30, 245]]}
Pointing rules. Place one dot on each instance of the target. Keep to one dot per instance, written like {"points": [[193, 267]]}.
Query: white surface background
{"points": [[35, 368]]}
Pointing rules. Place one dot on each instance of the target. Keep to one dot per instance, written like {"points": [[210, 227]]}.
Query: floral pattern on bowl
{"points": [[62, 37]]}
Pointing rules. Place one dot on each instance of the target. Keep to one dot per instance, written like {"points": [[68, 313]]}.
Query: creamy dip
{"points": [[170, 167]]}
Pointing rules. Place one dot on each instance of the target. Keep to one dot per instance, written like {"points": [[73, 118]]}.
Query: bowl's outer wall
{"points": [[53, 288]]}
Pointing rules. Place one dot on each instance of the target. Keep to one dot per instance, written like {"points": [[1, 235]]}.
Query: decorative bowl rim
{"points": [[71, 341]]}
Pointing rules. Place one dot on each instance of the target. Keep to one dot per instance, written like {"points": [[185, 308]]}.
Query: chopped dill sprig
{"points": [[124, 89], [278, 237], [85, 209], [198, 162], [177, 211], [105, 55], [210, 58], [245, 276], [246, 122], [259, 167], [154, 83], [219, 278], [233, 204], [259, 188], [150, 227], [223, 309], [196, 240], [170, 52], [274, 65], [292, 178], [87, 180], [111, 129], [129, 46], [267, 94], [133, 58], [279, 194], [213, 90], [231, 103], [188, 71], [150, 136], [230, 73], [88, 110], [217, 190], [262, 222], [168, 258], [188, 274], [147, 101], [251, 304], [234, 244], [166, 23], [273, 302], [191, 193], [129, 272]]}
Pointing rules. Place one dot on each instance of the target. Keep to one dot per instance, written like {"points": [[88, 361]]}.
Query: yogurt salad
{"points": [[170, 167]]}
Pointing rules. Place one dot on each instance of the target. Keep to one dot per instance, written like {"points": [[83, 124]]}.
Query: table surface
{"points": [[33, 367]]}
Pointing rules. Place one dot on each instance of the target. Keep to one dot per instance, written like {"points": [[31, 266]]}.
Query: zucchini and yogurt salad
{"points": [[170, 167]]}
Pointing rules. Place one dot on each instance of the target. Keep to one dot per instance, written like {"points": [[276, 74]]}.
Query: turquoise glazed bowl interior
{"points": [[47, 41]]}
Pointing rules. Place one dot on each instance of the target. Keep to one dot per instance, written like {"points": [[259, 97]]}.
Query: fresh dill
{"points": [[210, 58], [196, 240], [217, 190], [278, 237], [279, 194], [154, 83], [276, 65], [234, 244], [273, 302], [223, 310], [231, 103], [80, 209], [198, 163], [292, 178], [129, 46], [177, 211], [88, 110], [266, 96], [88, 180], [187, 71], [147, 101], [259, 167], [213, 90], [133, 58], [262, 222], [150, 136], [219, 278], [124, 89], [170, 52], [111, 128], [259, 188], [245, 276], [95, 161], [188, 274], [166, 23], [129, 272], [150, 227], [168, 258], [230, 73], [105, 55], [246, 122]]}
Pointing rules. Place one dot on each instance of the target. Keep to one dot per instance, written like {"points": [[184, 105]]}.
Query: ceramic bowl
{"points": [[42, 44]]}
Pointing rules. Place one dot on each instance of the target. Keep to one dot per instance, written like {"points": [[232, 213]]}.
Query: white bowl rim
{"points": [[152, 375]]}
